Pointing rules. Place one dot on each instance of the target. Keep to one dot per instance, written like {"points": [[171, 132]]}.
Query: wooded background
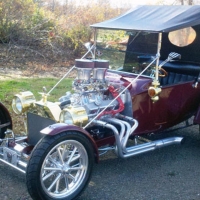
{"points": [[52, 32]]}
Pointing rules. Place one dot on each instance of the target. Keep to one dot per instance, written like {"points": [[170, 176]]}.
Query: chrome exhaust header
{"points": [[122, 139]]}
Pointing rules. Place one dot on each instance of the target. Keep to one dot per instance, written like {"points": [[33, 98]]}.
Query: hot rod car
{"points": [[153, 85]]}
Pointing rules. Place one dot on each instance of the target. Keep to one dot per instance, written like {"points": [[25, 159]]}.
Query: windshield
{"points": [[127, 51]]}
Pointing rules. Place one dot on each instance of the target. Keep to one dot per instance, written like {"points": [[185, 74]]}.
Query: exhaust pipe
{"points": [[150, 146], [137, 149]]}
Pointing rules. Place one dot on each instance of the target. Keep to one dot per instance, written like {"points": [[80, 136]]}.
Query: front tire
{"points": [[60, 167]]}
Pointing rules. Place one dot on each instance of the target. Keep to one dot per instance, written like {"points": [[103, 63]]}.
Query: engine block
{"points": [[91, 91]]}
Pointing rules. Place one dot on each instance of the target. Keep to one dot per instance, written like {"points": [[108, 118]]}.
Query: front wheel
{"points": [[60, 167]]}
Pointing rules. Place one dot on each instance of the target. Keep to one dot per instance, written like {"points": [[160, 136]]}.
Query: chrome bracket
{"points": [[10, 156]]}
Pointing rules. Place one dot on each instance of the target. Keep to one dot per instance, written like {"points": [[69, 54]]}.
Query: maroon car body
{"points": [[128, 90], [165, 112]]}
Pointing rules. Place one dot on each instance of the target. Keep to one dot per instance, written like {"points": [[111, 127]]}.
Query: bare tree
{"points": [[188, 2]]}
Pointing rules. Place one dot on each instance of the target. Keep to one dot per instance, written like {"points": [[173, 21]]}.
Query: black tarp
{"points": [[154, 18]]}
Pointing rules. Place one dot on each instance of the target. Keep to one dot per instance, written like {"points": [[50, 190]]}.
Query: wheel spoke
{"points": [[47, 176], [52, 160], [64, 152], [75, 158], [60, 156], [57, 186], [76, 165], [52, 169], [76, 168], [71, 156], [66, 182], [54, 182], [71, 177]]}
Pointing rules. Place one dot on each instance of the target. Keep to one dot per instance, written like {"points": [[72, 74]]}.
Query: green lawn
{"points": [[8, 88]]}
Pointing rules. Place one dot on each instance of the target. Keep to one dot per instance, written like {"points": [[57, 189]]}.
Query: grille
{"points": [[35, 124]]}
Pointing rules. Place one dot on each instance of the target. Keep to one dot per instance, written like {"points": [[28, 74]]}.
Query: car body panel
{"points": [[177, 102]]}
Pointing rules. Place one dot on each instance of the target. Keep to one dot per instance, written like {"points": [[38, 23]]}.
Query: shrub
{"points": [[75, 25], [33, 33]]}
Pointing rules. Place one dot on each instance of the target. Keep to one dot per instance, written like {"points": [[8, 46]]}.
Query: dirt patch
{"points": [[36, 72]]}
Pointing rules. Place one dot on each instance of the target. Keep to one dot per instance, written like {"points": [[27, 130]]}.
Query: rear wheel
{"points": [[2, 121], [60, 167]]}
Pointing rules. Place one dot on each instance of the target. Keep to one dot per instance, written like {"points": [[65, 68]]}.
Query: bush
{"points": [[11, 16], [31, 33], [75, 26]]}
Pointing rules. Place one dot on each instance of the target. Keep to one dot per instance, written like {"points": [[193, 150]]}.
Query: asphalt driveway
{"points": [[170, 173]]}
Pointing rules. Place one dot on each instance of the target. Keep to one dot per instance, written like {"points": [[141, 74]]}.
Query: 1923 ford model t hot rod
{"points": [[109, 107]]}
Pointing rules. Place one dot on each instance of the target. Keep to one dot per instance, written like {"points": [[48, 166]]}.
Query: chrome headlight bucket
{"points": [[22, 102], [74, 115]]}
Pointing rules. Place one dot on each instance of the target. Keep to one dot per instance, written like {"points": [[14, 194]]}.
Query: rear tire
{"points": [[60, 167], [2, 121]]}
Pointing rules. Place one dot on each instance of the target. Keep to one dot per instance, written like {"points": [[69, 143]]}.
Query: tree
{"points": [[188, 2]]}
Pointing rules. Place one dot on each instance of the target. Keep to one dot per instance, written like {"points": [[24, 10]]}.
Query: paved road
{"points": [[170, 173]]}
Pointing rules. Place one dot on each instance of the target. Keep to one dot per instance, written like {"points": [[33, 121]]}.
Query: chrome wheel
{"points": [[64, 169], [60, 166]]}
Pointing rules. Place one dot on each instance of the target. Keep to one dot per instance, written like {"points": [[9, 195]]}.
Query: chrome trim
{"points": [[15, 167], [122, 139], [120, 123]]}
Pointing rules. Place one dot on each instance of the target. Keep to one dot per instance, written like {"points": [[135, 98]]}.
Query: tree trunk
{"points": [[190, 2]]}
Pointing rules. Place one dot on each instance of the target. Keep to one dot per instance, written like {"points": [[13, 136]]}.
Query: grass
{"points": [[8, 88]]}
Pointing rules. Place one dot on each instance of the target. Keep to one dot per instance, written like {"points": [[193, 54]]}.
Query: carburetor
{"points": [[91, 93]]}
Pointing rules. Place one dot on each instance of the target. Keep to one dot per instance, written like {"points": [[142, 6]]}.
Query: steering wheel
{"points": [[162, 72]]}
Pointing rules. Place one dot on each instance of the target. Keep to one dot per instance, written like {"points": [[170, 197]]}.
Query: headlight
{"points": [[65, 117], [154, 92], [22, 102], [74, 115]]}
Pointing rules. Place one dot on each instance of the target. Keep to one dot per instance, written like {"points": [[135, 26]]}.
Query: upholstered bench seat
{"points": [[180, 72], [173, 78]]}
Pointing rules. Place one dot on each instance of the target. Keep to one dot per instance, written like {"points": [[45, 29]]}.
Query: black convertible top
{"points": [[154, 18]]}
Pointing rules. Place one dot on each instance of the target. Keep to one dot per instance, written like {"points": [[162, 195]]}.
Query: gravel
{"points": [[169, 173]]}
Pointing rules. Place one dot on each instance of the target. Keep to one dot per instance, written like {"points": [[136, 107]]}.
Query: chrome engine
{"points": [[91, 94]]}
